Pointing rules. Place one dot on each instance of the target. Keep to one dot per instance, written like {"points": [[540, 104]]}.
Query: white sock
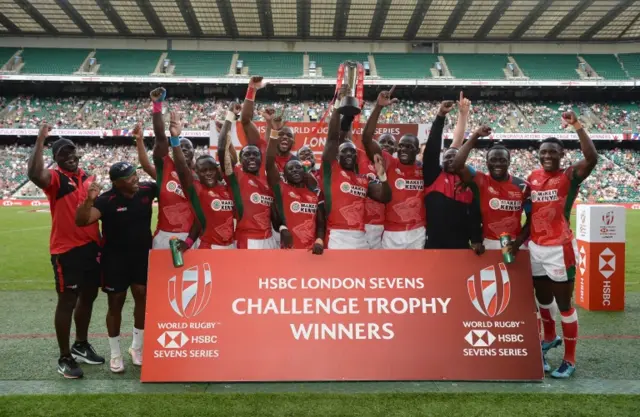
{"points": [[114, 344], [137, 338]]}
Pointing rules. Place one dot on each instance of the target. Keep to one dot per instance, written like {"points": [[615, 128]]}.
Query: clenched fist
{"points": [[158, 95], [445, 108]]}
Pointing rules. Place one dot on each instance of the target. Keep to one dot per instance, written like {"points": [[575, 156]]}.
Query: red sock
{"points": [[570, 334], [548, 322], [539, 322]]}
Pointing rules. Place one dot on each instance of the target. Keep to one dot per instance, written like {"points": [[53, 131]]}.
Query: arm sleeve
{"points": [[431, 156], [54, 184], [101, 204]]}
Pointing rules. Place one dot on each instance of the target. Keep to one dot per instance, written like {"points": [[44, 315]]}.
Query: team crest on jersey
{"points": [[174, 187], [297, 207], [264, 200], [252, 183], [212, 194], [356, 190], [544, 196], [344, 174], [505, 205], [293, 195], [492, 190], [174, 175], [221, 205], [398, 171], [554, 181], [534, 182]]}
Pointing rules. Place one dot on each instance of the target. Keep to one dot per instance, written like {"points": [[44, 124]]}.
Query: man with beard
{"points": [[453, 218], [125, 211], [210, 197], [553, 248], [175, 217], [308, 159], [502, 197], [404, 225], [301, 209], [75, 251], [251, 194], [345, 190]]}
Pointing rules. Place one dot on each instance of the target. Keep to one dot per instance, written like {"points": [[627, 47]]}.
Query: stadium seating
{"points": [[127, 62], [52, 62], [5, 54], [273, 64], [476, 66], [607, 66], [548, 67], [631, 63], [404, 65], [329, 62], [201, 63]]}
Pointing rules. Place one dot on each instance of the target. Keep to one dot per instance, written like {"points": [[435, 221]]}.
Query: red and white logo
{"points": [[608, 218], [489, 292], [173, 339], [190, 292]]}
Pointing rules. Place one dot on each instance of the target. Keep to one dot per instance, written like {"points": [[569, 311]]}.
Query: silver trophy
{"points": [[349, 105]]}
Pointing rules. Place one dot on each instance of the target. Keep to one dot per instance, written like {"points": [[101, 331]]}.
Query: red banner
{"points": [[346, 315], [314, 135]]}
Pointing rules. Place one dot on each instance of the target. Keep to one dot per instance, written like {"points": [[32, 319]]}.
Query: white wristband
{"points": [[383, 177], [283, 227], [231, 117]]}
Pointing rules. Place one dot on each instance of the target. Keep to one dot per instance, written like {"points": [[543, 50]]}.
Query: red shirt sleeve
{"points": [[389, 160], [479, 179], [54, 185]]}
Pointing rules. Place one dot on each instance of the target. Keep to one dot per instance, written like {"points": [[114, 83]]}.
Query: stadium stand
{"points": [[329, 62], [127, 62], [6, 54], [404, 65], [631, 63], [548, 67], [52, 62], [201, 63], [273, 64], [607, 66], [476, 66]]}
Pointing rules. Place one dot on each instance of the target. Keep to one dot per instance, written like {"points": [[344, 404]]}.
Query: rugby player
{"points": [[308, 159], [209, 195], [75, 251], [404, 225], [251, 194], [552, 248], [301, 208], [345, 191], [502, 197], [175, 217], [125, 212], [452, 217]]}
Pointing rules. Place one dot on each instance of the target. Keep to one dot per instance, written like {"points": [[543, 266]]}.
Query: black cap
{"points": [[59, 144], [121, 170]]}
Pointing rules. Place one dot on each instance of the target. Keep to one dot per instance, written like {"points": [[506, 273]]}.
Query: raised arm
{"points": [[273, 175], [161, 146], [583, 167], [184, 172], [143, 158], [36, 171], [246, 116], [371, 147], [86, 213], [380, 191], [224, 144], [330, 152], [459, 163], [431, 156], [464, 107]]}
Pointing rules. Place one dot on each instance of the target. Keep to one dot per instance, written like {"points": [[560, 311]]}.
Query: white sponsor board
{"points": [[601, 223]]}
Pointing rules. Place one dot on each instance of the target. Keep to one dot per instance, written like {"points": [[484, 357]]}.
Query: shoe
{"points": [[564, 371], [136, 356], [85, 353], [547, 346], [545, 364], [68, 368], [117, 365]]}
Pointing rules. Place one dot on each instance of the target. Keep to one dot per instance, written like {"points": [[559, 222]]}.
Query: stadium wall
{"points": [[303, 46]]}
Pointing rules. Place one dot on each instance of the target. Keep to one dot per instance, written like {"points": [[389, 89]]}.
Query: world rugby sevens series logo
{"points": [[490, 293], [608, 218], [189, 293]]}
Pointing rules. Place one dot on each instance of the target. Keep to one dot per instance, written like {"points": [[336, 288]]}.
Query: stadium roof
{"points": [[408, 20]]}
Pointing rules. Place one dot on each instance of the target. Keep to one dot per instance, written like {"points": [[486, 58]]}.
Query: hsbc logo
{"points": [[490, 292], [189, 293], [173, 339], [480, 338]]}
